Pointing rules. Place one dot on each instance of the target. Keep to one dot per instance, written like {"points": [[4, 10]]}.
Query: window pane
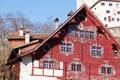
{"points": [[93, 51], [86, 34], [103, 70], [51, 64], [91, 34], [109, 70], [73, 67], [99, 51], [45, 64], [76, 32], [81, 33], [79, 67], [71, 32], [63, 47], [69, 47]]}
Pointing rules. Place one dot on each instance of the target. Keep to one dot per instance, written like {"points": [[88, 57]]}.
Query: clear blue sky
{"points": [[39, 10]]}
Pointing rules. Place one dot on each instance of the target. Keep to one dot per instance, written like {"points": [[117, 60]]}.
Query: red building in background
{"points": [[80, 49]]}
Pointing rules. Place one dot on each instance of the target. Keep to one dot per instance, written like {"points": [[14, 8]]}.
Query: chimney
{"points": [[27, 36], [56, 23], [70, 14], [21, 31]]}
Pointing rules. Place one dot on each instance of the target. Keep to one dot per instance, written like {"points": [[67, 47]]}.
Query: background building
{"points": [[108, 11]]}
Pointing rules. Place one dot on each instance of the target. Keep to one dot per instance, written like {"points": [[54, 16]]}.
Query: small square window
{"points": [[102, 4], [118, 19], [118, 12], [105, 18], [113, 19], [110, 4], [107, 11]]}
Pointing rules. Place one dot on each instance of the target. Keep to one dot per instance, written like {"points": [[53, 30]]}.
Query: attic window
{"points": [[49, 64]]}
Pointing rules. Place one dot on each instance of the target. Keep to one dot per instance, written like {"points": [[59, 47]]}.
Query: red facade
{"points": [[83, 46]]}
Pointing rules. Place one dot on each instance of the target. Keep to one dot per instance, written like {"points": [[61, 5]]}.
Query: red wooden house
{"points": [[80, 49]]}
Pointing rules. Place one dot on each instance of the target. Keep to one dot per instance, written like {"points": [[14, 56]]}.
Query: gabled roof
{"points": [[90, 14]]}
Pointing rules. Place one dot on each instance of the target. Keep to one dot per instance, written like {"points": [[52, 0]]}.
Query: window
{"points": [[103, 70], [71, 32], [118, 19], [76, 32], [105, 19], [46, 64], [81, 33], [118, 12], [73, 67], [96, 50], [110, 4], [109, 18], [113, 19], [86, 34], [106, 70], [91, 34], [117, 5], [102, 4], [66, 47], [49, 64], [93, 50], [107, 11], [76, 67]]}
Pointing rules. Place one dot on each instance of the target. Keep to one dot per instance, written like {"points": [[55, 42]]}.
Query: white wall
{"points": [[39, 74], [100, 12], [79, 3]]}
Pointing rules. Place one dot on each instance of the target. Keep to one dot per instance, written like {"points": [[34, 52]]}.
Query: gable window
{"points": [[76, 67], [96, 50], [63, 32], [81, 33], [106, 70], [91, 34], [86, 34], [49, 64], [66, 47]]}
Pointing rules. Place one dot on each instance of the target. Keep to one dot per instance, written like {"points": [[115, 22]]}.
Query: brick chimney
{"points": [[27, 36], [56, 23]]}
